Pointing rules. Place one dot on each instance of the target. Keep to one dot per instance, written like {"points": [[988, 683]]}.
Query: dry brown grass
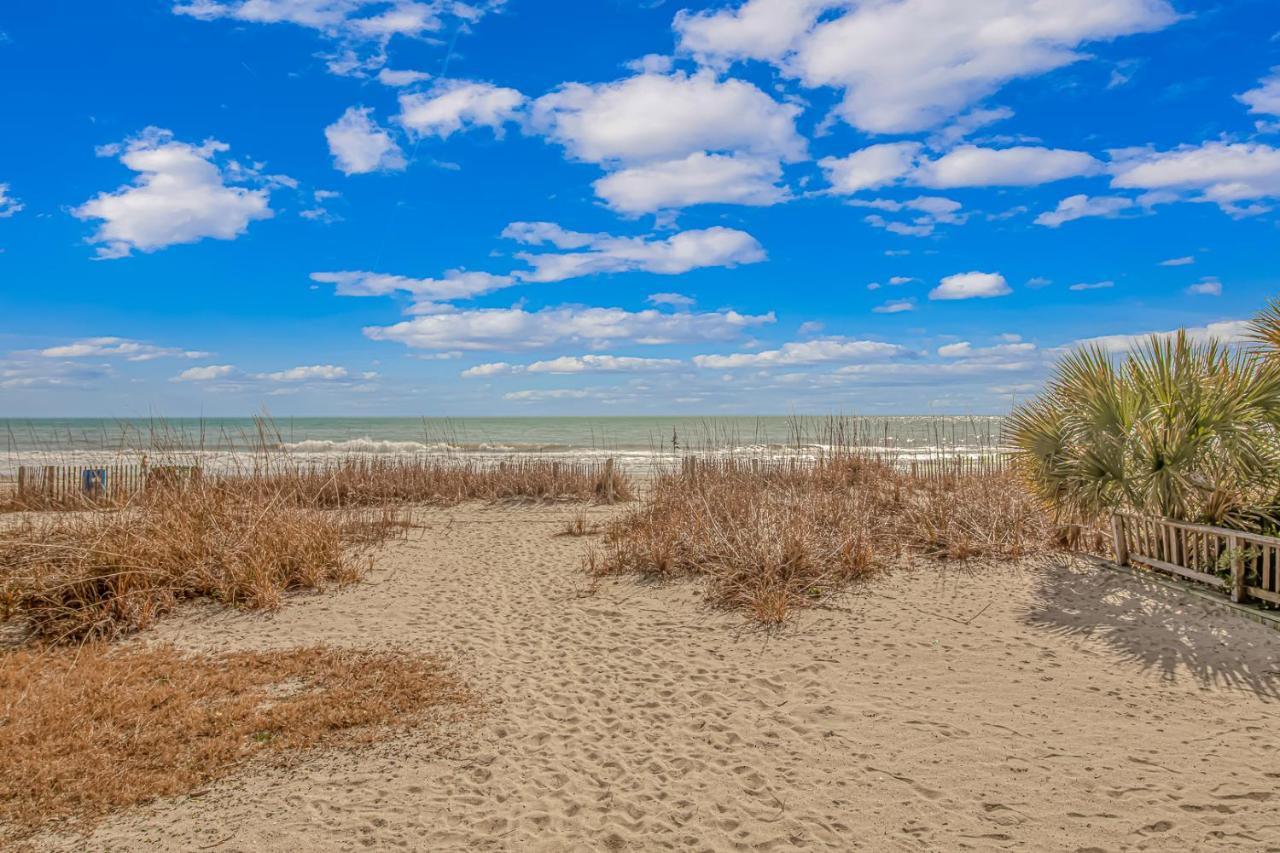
{"points": [[99, 574], [771, 538], [91, 730]]}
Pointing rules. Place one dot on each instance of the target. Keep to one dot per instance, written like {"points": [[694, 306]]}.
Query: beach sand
{"points": [[1039, 707]]}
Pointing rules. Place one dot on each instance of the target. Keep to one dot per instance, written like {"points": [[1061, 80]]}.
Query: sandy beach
{"points": [[1056, 706]]}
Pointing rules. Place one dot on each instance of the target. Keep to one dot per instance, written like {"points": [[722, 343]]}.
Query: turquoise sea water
{"points": [[86, 440]]}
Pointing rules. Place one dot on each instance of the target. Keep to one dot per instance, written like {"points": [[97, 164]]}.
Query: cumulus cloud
{"points": [[179, 196], [1092, 285], [454, 105], [515, 328], [1225, 331], [1207, 286], [8, 204], [112, 347], [971, 285], [966, 350], [398, 79], [676, 300], [306, 373], [359, 144], [594, 254], [872, 167], [1185, 260], [700, 178], [909, 65], [1226, 174], [1079, 206], [816, 351], [207, 373], [536, 395], [1020, 166], [575, 364], [456, 284], [659, 118], [924, 214], [1265, 99], [967, 166], [895, 306], [360, 29]]}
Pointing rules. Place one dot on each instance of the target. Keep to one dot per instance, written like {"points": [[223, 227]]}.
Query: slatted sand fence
{"points": [[1244, 565], [959, 465], [71, 486]]}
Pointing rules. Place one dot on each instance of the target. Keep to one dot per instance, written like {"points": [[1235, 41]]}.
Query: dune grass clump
{"points": [[771, 538], [370, 481], [86, 731], [101, 574]]}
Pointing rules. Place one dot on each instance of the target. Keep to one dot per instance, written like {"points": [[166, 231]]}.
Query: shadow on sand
{"points": [[1155, 627]]}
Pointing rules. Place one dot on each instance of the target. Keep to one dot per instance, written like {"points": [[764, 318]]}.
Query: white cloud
{"points": [[1219, 172], [909, 65], [901, 279], [895, 306], [517, 329], [603, 253], [453, 105], [205, 374], [456, 284], [930, 211], [967, 166], [872, 167], [112, 347], [971, 285], [966, 350], [1186, 260], [1207, 286], [307, 373], [676, 300], [1020, 166], [397, 79], [700, 178], [803, 352], [1094, 285], [359, 145], [1225, 331], [576, 364], [179, 196], [1079, 206], [760, 29], [660, 118], [1265, 99], [8, 204], [535, 396]]}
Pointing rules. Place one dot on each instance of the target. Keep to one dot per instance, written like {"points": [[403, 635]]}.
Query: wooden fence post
{"points": [[22, 480], [1121, 544], [608, 480], [1237, 568]]}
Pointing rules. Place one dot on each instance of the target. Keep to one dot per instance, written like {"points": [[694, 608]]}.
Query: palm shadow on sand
{"points": [[1155, 627]]}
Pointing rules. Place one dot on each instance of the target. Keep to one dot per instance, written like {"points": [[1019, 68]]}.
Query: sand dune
{"points": [[1053, 707]]}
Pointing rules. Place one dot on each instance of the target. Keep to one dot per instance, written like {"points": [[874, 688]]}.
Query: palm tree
{"points": [[1179, 429]]}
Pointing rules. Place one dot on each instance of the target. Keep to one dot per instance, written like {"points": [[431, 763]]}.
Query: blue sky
{"points": [[426, 207]]}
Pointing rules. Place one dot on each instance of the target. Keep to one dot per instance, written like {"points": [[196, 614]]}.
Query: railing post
{"points": [[1121, 545], [1237, 568]]}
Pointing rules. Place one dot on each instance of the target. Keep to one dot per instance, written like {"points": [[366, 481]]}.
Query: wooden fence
{"points": [[60, 485], [1245, 565], [941, 467]]}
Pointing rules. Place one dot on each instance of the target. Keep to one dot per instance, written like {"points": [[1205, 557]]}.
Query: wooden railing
{"points": [[1245, 565]]}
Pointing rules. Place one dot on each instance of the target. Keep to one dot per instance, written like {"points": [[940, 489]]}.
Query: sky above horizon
{"points": [[429, 207]]}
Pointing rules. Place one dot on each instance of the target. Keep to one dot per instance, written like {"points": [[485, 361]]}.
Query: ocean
{"points": [[637, 442]]}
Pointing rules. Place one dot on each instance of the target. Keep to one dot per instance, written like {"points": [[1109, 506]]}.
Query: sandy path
{"points": [[1079, 709]]}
